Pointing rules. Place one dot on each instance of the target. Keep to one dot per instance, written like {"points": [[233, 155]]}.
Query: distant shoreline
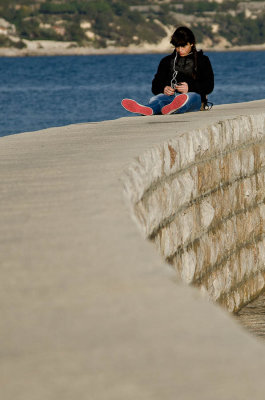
{"points": [[51, 48]]}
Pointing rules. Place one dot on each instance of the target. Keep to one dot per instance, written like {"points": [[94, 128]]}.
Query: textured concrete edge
{"points": [[155, 174]]}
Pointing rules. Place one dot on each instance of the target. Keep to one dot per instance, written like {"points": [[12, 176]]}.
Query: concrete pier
{"points": [[89, 307]]}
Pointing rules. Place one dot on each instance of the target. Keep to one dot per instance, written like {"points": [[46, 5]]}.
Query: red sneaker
{"points": [[178, 102], [134, 107]]}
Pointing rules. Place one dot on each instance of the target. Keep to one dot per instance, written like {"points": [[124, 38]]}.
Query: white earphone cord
{"points": [[174, 81]]}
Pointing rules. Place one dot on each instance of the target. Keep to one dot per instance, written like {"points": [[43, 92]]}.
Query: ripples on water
{"points": [[40, 92]]}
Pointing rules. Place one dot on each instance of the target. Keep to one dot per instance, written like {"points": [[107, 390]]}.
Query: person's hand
{"points": [[182, 87], [169, 91]]}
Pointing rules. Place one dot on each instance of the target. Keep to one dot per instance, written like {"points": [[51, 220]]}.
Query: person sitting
{"points": [[182, 81]]}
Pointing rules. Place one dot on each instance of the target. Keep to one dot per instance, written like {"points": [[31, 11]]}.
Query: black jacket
{"points": [[203, 84]]}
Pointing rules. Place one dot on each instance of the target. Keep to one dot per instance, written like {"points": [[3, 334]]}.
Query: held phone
{"points": [[176, 84]]}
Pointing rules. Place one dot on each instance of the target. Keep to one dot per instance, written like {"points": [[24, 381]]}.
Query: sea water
{"points": [[42, 92]]}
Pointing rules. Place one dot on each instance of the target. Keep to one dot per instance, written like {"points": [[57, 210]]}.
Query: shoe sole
{"points": [[134, 107], [178, 102]]}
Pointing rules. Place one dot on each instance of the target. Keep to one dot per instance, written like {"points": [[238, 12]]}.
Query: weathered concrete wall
{"points": [[200, 197], [90, 310]]}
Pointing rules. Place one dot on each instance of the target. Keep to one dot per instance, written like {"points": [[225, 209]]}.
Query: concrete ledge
{"points": [[88, 307], [200, 197]]}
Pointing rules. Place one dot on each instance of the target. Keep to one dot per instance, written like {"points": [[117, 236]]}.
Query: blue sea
{"points": [[42, 92]]}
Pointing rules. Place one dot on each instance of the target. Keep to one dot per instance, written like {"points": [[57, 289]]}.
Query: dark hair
{"points": [[183, 36]]}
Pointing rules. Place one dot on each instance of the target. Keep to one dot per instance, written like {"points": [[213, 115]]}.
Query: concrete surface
{"points": [[89, 310]]}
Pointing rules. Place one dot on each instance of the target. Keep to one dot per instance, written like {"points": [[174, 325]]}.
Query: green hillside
{"points": [[100, 23]]}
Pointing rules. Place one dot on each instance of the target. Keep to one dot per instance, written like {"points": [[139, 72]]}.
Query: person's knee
{"points": [[194, 95], [194, 99], [156, 97]]}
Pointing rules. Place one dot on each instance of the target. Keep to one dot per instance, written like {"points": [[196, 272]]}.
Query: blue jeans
{"points": [[159, 101]]}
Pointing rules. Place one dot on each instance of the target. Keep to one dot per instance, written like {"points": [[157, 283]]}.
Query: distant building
{"points": [[60, 30], [6, 28], [144, 9], [155, 8], [254, 6], [210, 1]]}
